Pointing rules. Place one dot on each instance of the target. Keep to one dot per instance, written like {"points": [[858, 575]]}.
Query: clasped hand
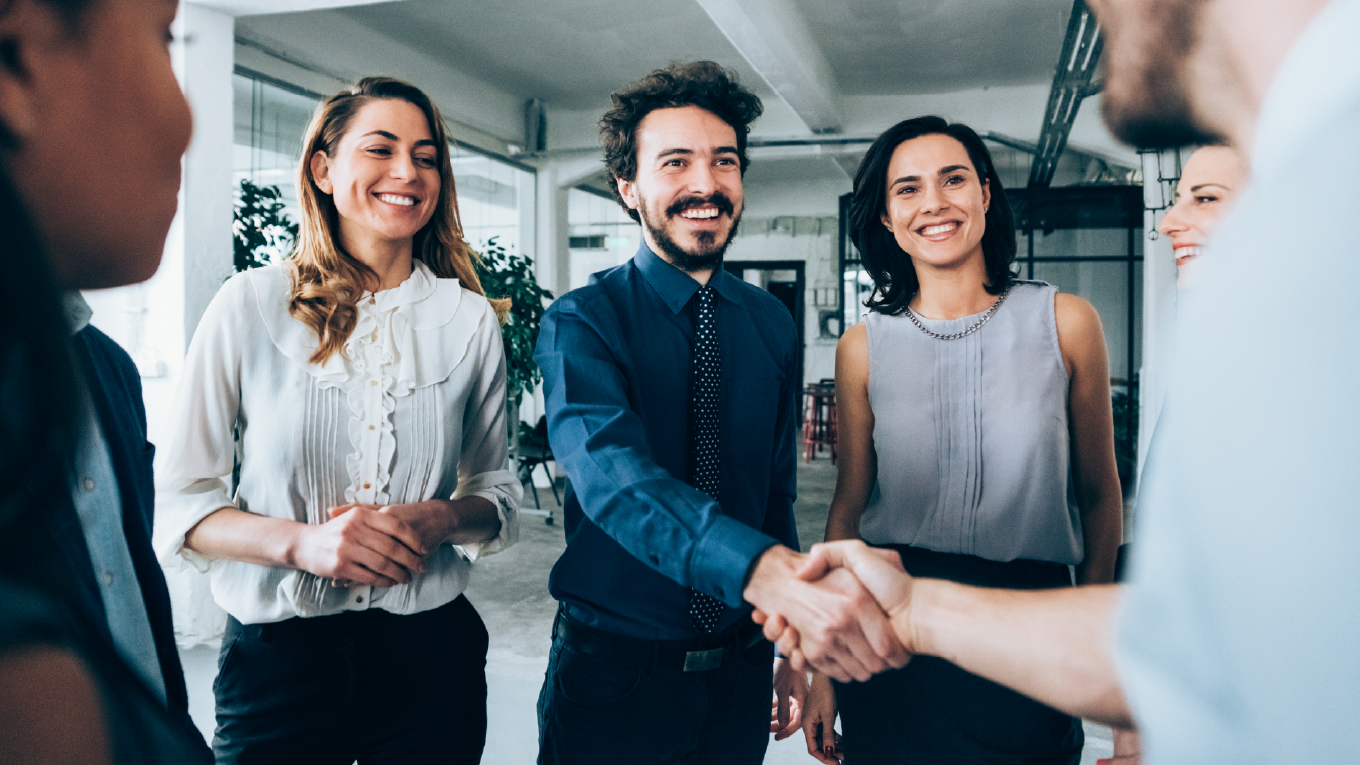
{"points": [[842, 610], [377, 545]]}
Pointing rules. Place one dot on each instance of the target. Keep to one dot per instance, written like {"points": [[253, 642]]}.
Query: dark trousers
{"points": [[370, 686], [595, 710], [933, 712]]}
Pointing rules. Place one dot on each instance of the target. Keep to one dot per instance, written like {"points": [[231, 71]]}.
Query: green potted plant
{"points": [[261, 232], [511, 275]]}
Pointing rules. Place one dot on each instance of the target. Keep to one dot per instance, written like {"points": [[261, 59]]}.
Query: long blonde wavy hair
{"points": [[327, 282]]}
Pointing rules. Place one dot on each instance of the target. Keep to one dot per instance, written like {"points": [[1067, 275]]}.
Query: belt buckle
{"points": [[701, 661]]}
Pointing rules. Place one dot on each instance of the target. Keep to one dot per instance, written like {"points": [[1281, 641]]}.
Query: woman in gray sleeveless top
{"points": [[976, 439]]}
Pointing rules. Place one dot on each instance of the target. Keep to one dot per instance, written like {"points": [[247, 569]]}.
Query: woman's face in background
{"points": [[937, 204], [100, 124], [1209, 182]]}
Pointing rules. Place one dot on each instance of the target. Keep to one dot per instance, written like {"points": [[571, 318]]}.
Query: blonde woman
{"points": [[366, 379]]}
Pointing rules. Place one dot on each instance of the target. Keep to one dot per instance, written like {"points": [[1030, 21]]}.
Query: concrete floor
{"points": [[510, 590]]}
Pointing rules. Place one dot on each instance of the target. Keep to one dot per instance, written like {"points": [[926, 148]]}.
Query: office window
{"points": [[602, 235], [495, 200], [270, 122]]}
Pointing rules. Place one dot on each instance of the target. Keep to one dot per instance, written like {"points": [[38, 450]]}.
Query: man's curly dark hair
{"points": [[704, 84]]}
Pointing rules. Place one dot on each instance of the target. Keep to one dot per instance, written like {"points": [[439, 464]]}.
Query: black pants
{"points": [[650, 712], [366, 685], [933, 712]]}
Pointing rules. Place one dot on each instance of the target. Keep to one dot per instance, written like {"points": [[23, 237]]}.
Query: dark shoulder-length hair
{"points": [[890, 267]]}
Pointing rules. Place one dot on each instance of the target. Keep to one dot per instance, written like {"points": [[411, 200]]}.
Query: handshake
{"points": [[844, 609]]}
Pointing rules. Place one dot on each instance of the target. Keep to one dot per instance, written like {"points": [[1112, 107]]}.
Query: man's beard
{"points": [[709, 251], [1155, 110]]}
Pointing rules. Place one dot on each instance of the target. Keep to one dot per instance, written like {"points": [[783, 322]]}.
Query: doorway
{"points": [[784, 279]]}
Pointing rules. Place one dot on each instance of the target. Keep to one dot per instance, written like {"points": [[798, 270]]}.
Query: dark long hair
{"points": [[37, 402], [894, 275], [37, 370], [38, 388], [37, 376]]}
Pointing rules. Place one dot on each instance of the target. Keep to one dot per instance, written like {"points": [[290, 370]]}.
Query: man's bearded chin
{"points": [[1148, 103], [1159, 117], [708, 250]]}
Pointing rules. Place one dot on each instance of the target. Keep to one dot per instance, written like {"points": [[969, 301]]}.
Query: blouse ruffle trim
{"points": [[423, 348]]}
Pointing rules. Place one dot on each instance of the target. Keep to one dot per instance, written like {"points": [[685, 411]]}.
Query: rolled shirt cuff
{"points": [[502, 489], [177, 512], [724, 555]]}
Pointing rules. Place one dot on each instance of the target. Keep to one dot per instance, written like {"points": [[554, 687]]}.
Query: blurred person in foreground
{"points": [[1235, 639], [89, 108]]}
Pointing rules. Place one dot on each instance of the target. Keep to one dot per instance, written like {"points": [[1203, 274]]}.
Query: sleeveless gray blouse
{"points": [[971, 435]]}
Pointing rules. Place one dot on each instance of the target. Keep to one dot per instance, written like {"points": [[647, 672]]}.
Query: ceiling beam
{"points": [[255, 7], [1074, 80], [773, 38]]}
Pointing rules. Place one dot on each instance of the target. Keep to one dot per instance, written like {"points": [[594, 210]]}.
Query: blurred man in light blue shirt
{"points": [[1237, 639]]}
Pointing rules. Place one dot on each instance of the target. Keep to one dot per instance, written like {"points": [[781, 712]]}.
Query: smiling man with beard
{"points": [[670, 386]]}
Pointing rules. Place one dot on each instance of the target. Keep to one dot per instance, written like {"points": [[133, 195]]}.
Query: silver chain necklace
{"points": [[966, 332]]}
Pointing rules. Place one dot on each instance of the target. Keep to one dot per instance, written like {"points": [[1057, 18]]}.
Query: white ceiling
{"points": [[851, 67], [571, 53], [899, 47]]}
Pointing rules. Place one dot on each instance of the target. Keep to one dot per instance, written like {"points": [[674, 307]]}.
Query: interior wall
{"points": [[812, 240], [800, 198]]}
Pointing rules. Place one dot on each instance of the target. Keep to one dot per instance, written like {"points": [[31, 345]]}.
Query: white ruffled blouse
{"points": [[413, 408]]}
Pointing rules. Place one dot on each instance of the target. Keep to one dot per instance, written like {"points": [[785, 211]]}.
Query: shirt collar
{"points": [[78, 311], [676, 287]]}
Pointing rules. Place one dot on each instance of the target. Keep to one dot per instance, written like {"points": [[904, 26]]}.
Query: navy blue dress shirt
{"points": [[616, 357]]}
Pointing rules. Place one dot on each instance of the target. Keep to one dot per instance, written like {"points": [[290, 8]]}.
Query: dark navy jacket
{"points": [[116, 388]]}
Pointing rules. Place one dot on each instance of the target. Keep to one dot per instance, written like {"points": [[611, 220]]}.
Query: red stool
{"points": [[819, 419]]}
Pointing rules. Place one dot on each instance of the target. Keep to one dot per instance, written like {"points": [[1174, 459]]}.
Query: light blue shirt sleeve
{"points": [[100, 509], [1237, 641]]}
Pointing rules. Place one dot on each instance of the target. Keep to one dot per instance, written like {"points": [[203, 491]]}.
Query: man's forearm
{"points": [[1055, 646]]}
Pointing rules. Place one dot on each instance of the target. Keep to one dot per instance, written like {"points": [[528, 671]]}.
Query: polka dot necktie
{"points": [[705, 610]]}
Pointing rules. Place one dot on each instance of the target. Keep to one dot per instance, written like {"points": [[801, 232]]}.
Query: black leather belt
{"points": [[692, 656]]}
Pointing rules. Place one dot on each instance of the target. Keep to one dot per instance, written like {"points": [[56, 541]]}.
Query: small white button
{"points": [[88, 483], [108, 578]]}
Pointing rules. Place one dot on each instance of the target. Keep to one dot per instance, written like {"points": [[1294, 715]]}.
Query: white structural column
{"points": [[198, 257], [772, 36], [551, 231], [552, 256], [1161, 171], [205, 72]]}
